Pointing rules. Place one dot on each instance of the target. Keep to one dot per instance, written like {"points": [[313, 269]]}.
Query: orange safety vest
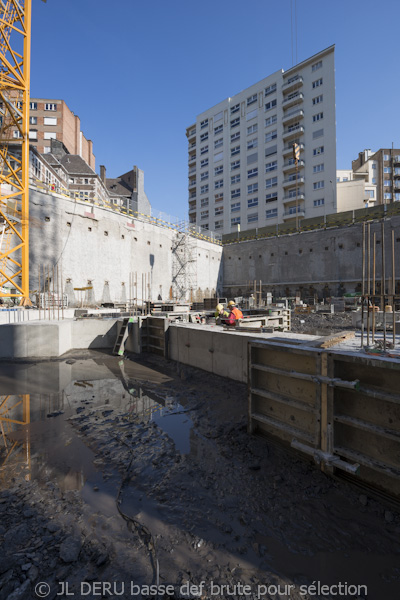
{"points": [[237, 312]]}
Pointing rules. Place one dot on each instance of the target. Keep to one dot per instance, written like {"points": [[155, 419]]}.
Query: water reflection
{"points": [[37, 440]]}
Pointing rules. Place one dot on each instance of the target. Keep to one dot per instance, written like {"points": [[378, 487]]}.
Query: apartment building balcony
{"points": [[191, 133], [396, 159], [192, 183], [292, 132], [192, 145], [192, 208], [292, 99], [293, 115], [289, 149], [192, 195], [291, 165], [396, 183], [289, 182], [192, 170], [192, 158], [292, 214], [300, 196], [293, 83]]}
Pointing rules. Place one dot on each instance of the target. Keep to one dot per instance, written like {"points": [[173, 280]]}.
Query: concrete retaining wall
{"points": [[325, 261], [98, 247]]}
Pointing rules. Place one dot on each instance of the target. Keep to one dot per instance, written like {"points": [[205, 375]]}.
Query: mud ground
{"points": [[230, 510]]}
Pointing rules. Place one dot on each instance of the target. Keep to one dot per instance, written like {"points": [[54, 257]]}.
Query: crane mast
{"points": [[15, 44]]}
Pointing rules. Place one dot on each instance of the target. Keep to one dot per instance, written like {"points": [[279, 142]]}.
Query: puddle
{"points": [[36, 438]]}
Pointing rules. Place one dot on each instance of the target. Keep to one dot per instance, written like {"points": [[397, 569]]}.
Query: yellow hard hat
{"points": [[231, 303], [219, 307]]}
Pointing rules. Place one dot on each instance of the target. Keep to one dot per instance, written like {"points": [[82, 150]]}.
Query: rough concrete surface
{"points": [[203, 505]]}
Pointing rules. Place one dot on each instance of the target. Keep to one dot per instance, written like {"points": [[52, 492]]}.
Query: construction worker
{"points": [[220, 314], [235, 313]]}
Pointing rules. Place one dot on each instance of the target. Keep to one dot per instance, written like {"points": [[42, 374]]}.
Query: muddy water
{"points": [[175, 455]]}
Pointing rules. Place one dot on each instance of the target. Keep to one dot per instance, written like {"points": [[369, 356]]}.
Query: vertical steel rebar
{"points": [[39, 292], [383, 277], [393, 291], [373, 286], [363, 285], [58, 298], [368, 279], [62, 294]]}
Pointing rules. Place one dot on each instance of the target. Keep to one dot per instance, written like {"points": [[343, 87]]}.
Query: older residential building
{"points": [[381, 169], [51, 119], [242, 172]]}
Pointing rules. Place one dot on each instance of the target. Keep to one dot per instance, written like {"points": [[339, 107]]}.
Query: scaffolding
{"points": [[184, 264]]}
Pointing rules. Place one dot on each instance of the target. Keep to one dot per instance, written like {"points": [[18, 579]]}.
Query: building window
{"points": [[252, 143], [318, 185], [317, 83], [50, 121], [387, 183], [235, 108], [235, 221], [218, 225], [235, 165], [317, 99], [235, 136], [252, 129], [317, 134], [271, 166], [219, 197], [17, 134], [204, 214], [386, 157], [32, 120], [33, 134], [319, 150], [218, 143], [271, 120], [374, 165], [271, 197], [316, 65], [218, 116], [271, 104], [235, 207], [252, 202], [319, 202], [387, 169], [271, 213], [252, 218], [204, 189], [218, 156], [204, 137], [50, 106], [318, 117], [270, 89], [270, 151], [271, 182], [251, 99], [203, 163], [204, 202], [370, 193], [218, 184], [204, 176], [235, 193], [235, 122], [218, 129], [203, 124], [204, 150], [271, 135], [251, 115], [318, 168], [252, 188], [219, 210], [252, 173], [387, 196], [235, 179], [218, 170], [33, 105]]}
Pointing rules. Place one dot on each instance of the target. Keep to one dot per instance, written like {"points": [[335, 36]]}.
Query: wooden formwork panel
{"points": [[154, 335], [366, 422], [284, 394]]}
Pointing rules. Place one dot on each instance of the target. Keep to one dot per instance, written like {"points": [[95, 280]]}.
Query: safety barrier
{"points": [[341, 409]]}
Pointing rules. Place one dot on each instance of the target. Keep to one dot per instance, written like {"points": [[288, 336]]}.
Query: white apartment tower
{"points": [[241, 166]]}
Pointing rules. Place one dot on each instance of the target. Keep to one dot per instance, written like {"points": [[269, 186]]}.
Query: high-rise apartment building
{"points": [[52, 119], [242, 171]]}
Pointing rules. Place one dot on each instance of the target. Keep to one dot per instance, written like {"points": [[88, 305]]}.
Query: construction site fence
{"points": [[323, 222], [156, 217], [341, 409]]}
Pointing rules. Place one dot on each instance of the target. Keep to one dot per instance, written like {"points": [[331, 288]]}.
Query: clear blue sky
{"points": [[138, 73]]}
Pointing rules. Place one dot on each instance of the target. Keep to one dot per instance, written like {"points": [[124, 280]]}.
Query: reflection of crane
{"points": [[8, 407], [15, 41]]}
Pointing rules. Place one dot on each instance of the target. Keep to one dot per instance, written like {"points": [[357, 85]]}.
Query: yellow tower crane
{"points": [[15, 48]]}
